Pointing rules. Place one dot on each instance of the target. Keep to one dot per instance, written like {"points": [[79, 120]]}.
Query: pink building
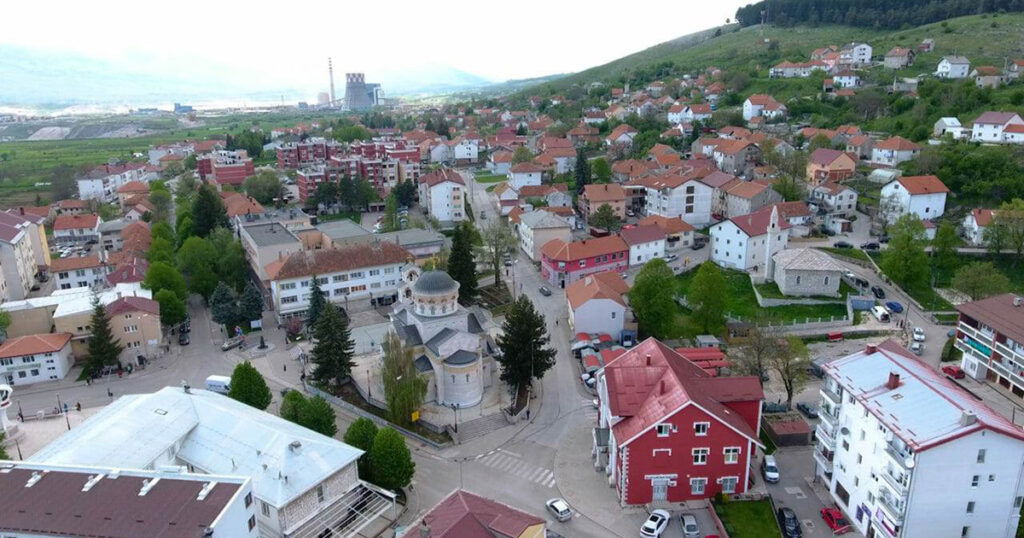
{"points": [[563, 263]]}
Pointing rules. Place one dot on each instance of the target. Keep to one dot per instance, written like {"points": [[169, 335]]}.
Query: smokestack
{"points": [[893, 382], [330, 73], [967, 417]]}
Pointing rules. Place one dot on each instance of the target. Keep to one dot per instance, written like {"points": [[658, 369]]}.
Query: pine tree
{"points": [[104, 348], [223, 305], [318, 415], [524, 351], [317, 302], [582, 172], [360, 434], [461, 265], [391, 464], [332, 353], [208, 212], [250, 305], [249, 387]]}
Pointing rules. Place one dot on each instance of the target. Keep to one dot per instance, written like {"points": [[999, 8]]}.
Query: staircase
{"points": [[481, 426]]}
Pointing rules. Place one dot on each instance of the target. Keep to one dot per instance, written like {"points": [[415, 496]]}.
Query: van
{"points": [[218, 383], [770, 469], [880, 313]]}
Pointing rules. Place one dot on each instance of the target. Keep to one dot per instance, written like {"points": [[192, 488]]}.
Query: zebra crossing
{"points": [[512, 463]]}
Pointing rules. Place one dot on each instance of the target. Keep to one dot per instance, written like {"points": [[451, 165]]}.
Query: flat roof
{"points": [[267, 234], [342, 229]]}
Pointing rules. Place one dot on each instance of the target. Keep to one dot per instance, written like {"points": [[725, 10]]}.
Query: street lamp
{"points": [[455, 411]]}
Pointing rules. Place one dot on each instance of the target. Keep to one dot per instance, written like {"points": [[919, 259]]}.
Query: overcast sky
{"points": [[288, 42]]}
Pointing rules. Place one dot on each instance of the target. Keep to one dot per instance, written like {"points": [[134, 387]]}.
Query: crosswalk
{"points": [[512, 463]]}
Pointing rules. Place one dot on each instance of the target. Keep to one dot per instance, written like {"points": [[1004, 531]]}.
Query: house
{"points": [[80, 272], [563, 262], [855, 54], [583, 134], [748, 242], [974, 225], [806, 272], [846, 79], [20, 245], [899, 57], [678, 232], [645, 243], [554, 195], [175, 428], [927, 45], [523, 174], [135, 321], [76, 229], [795, 69], [998, 127], [464, 150], [924, 196], [745, 197], [987, 76], [443, 194], [835, 198], [825, 165], [464, 514], [676, 115], [948, 125], [35, 358], [898, 440], [683, 196], [356, 277], [669, 432], [499, 162], [594, 117], [101, 183], [860, 146], [763, 105], [893, 151], [131, 189], [953, 67], [597, 304], [697, 112], [596, 195], [558, 160], [1014, 71], [797, 214], [621, 135], [736, 157], [536, 228]]}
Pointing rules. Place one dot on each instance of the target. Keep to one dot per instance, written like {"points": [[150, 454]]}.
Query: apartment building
{"points": [[990, 333], [80, 272], [563, 263], [18, 260], [443, 194], [101, 183], [76, 229], [225, 167], [35, 358]]}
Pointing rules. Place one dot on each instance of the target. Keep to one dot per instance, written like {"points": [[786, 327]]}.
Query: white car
{"points": [[917, 348], [919, 335], [656, 524], [690, 528], [560, 509]]}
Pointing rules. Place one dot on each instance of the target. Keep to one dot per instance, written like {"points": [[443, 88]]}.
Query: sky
{"points": [[287, 43]]}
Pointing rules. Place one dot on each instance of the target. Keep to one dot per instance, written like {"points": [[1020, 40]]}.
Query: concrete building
{"points": [[998, 128], [678, 196], [950, 125], [563, 263], [538, 227], [18, 258], [924, 196], [523, 174], [893, 151], [101, 183], [303, 153], [807, 272], [745, 197], [763, 105], [678, 233], [954, 67], [80, 272], [835, 198], [826, 165], [645, 243], [360, 95], [597, 304], [748, 242], [35, 229], [899, 57], [443, 195], [907, 453], [35, 358], [596, 195], [463, 514], [266, 242], [225, 167], [76, 229], [990, 334]]}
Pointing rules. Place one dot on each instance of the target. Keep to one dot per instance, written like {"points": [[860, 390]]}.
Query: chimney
{"points": [[648, 359], [871, 348], [22, 210], [893, 382], [967, 417]]}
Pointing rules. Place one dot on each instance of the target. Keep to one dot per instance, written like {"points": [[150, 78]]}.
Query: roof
{"points": [[435, 282], [538, 219], [559, 250], [762, 99], [925, 409], [526, 168], [756, 223], [73, 263], [717, 179], [825, 156], [669, 225], [442, 175], [135, 186], [320, 262], [999, 313], [897, 143], [922, 184], [956, 59], [623, 129], [34, 344], [731, 147], [267, 234], [605, 285], [236, 203], [214, 433], [74, 222], [996, 118], [133, 304], [604, 192], [651, 381], [133, 270], [745, 189], [642, 234], [833, 188], [987, 71], [806, 259], [983, 217], [466, 515], [789, 210]]}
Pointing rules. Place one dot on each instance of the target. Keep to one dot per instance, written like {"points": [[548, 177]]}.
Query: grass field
{"points": [[770, 290], [748, 519], [491, 178]]}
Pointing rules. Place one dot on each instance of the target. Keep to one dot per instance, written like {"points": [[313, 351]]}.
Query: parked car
{"points": [[690, 528], [655, 524], [860, 282], [232, 343], [769, 469], [878, 291], [835, 520], [697, 245], [842, 244], [919, 335], [544, 291], [808, 409], [953, 371], [183, 339], [769, 407], [789, 523], [671, 257], [559, 509], [894, 307], [871, 245], [917, 348], [884, 239]]}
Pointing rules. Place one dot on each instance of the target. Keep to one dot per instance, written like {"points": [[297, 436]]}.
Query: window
{"points": [[389, 270], [729, 484], [1018, 502], [289, 299], [252, 522], [320, 493], [970, 507], [846, 445], [288, 286], [700, 429], [35, 371], [305, 283], [974, 481], [357, 274], [991, 478], [965, 531], [340, 278], [248, 499], [374, 272], [667, 451], [981, 455], [732, 454], [697, 485], [700, 456]]}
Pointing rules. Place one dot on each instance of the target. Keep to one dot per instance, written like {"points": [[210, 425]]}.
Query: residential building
{"points": [[669, 432], [355, 277], [974, 226], [645, 243], [80, 272], [998, 127], [76, 229], [443, 195], [621, 136], [825, 165], [924, 196], [736, 157], [953, 67], [745, 197], [682, 196], [763, 105], [75, 500], [748, 242], [558, 160], [987, 76], [563, 263], [990, 333], [855, 54], [35, 358], [949, 125], [913, 451], [697, 112], [101, 183], [598, 304], [302, 482], [893, 151], [678, 233], [835, 198], [35, 229], [303, 153], [798, 215], [18, 267], [499, 162], [523, 174], [846, 79], [596, 195], [860, 146], [554, 195], [265, 242], [463, 514], [225, 167], [899, 57], [806, 272], [536, 228], [796, 69]]}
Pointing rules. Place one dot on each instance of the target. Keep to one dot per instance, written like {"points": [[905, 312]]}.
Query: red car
{"points": [[953, 371], [835, 520]]}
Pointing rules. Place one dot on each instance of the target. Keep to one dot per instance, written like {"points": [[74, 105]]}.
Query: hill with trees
{"points": [[890, 14]]}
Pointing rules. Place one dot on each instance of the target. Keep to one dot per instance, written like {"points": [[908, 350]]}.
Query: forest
{"points": [[880, 14]]}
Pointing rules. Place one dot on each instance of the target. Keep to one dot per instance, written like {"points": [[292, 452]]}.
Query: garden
{"points": [[742, 303], [748, 519]]}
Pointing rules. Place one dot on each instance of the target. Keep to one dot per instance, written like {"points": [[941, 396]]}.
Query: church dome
{"points": [[435, 283]]}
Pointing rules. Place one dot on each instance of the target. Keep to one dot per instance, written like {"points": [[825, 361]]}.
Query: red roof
{"points": [[526, 168], [559, 250], [74, 222], [897, 143], [34, 344], [133, 304], [983, 217], [642, 234], [619, 131], [133, 186], [923, 184], [442, 175], [825, 156], [756, 223], [466, 515]]}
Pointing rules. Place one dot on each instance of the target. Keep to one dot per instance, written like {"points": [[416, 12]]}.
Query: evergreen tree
{"points": [[582, 172], [223, 305], [104, 348], [462, 265], [208, 212], [360, 434], [293, 405], [524, 345], [317, 303], [707, 297], [318, 415], [249, 387], [655, 309], [332, 353], [391, 464], [250, 305]]}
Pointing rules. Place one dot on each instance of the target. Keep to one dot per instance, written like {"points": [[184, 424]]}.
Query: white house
{"points": [[998, 128], [676, 114], [953, 67], [748, 242], [678, 196], [974, 225], [80, 272], [846, 79], [101, 183], [499, 162], [697, 112], [465, 150], [524, 174], [597, 304], [537, 228], [76, 229], [924, 196], [35, 358], [948, 125], [441, 152], [906, 452], [762, 105], [621, 135], [893, 151], [645, 243], [443, 194], [835, 198]]}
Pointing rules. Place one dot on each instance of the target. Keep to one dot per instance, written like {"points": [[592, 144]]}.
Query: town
{"points": [[772, 287]]}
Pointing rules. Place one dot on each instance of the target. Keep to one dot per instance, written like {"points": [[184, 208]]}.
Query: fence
{"points": [[767, 302], [795, 324]]}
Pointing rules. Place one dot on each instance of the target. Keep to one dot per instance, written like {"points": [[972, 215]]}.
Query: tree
{"points": [[461, 264], [521, 155], [360, 434], [944, 247], [582, 171], [196, 259], [3, 452], [889, 210], [390, 221], [292, 406], [250, 304], [1010, 219], [172, 307], [605, 218], [364, 194], [654, 308], [525, 354], [980, 280], [317, 303], [391, 465], [404, 389], [208, 212], [405, 192], [707, 297], [265, 186], [332, 353], [600, 170], [326, 193], [231, 264], [790, 188], [162, 276], [758, 353], [185, 187], [318, 415], [161, 200], [905, 261], [104, 349], [497, 241], [249, 387], [160, 250], [224, 305], [791, 364], [994, 237]]}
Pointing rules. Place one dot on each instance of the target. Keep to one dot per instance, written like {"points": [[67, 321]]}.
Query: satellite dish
{"points": [[909, 463], [844, 430]]}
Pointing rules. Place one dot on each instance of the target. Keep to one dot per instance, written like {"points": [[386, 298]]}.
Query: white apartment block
{"points": [[80, 272], [906, 453], [102, 182], [443, 194], [688, 199], [35, 358], [18, 266]]}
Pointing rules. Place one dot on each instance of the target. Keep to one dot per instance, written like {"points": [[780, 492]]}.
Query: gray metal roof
{"points": [[435, 343], [267, 234], [435, 282], [422, 364], [341, 230], [461, 357]]}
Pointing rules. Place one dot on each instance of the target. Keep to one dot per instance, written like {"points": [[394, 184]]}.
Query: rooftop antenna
{"points": [[330, 72]]}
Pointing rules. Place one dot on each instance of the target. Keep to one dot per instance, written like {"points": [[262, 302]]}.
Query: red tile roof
{"points": [[133, 304], [607, 285], [74, 222], [756, 223], [73, 263], [826, 156], [641, 234], [526, 168], [983, 217], [897, 143], [995, 118], [321, 262], [604, 192], [922, 184], [134, 187], [789, 210], [442, 175], [669, 225], [34, 344], [559, 250], [619, 131], [466, 515]]}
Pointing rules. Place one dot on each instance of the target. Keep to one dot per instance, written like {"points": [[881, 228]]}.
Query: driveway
{"points": [[796, 489]]}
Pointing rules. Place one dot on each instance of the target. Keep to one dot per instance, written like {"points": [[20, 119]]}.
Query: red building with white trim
{"points": [[316, 150], [563, 263], [225, 167], [669, 431]]}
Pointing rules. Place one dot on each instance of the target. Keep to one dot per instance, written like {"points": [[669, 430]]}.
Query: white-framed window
{"points": [[700, 429], [663, 429], [700, 456], [732, 454], [697, 485], [288, 286], [265, 509], [729, 484], [665, 451], [289, 299], [970, 507]]}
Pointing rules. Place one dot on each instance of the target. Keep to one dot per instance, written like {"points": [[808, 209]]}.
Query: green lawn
{"points": [[848, 252], [770, 290], [748, 519], [741, 301], [491, 178]]}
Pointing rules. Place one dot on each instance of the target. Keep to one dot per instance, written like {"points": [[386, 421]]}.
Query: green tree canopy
{"points": [[231, 267], [525, 354], [249, 387], [905, 261], [197, 260], [707, 297], [332, 353], [404, 389], [360, 434], [601, 170], [944, 247], [521, 155], [161, 200], [162, 276], [172, 308], [317, 302], [264, 186], [207, 212], [224, 305], [391, 464], [250, 304], [461, 264], [319, 416], [655, 309], [581, 171], [605, 218], [980, 280], [292, 406], [497, 242], [160, 250]]}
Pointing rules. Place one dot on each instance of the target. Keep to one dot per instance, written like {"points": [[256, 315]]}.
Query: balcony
{"points": [[825, 436], [892, 508], [1009, 353], [981, 336], [898, 486], [823, 457], [830, 421], [831, 395], [899, 455]]}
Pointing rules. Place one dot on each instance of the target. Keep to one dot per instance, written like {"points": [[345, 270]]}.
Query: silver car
{"points": [[690, 528], [559, 509]]}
